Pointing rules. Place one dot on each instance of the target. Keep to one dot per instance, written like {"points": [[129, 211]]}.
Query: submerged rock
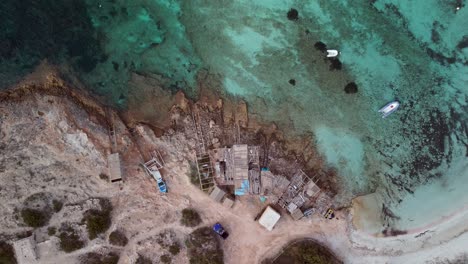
{"points": [[320, 46], [335, 64], [351, 88], [293, 14], [292, 82]]}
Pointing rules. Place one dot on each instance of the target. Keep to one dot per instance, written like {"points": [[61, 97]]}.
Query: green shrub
{"points": [[51, 230], [118, 238], [7, 254], [166, 259], [203, 247], [143, 260], [57, 205], [190, 217], [174, 249], [98, 221], [69, 239], [34, 217]]}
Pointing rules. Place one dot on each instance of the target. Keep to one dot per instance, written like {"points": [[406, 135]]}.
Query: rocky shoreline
{"points": [[231, 116]]}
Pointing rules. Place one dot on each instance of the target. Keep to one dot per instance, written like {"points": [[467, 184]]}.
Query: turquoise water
{"points": [[415, 52]]}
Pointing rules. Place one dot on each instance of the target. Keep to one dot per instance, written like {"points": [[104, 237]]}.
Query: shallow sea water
{"points": [[415, 52]]}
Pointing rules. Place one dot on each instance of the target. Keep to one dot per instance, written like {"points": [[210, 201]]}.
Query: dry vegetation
{"points": [[203, 247], [7, 255], [98, 221], [118, 238], [97, 258], [305, 252], [70, 239], [190, 217]]}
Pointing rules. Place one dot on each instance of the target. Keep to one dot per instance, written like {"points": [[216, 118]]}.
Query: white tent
{"points": [[269, 218]]}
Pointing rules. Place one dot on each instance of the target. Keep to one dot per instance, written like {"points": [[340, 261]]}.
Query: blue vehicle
{"points": [[219, 229], [152, 167], [162, 186]]}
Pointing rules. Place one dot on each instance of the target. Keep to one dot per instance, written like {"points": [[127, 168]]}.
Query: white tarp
{"points": [[269, 218]]}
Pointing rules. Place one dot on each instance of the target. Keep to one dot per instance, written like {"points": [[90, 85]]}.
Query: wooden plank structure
{"points": [[293, 197], [227, 165], [115, 169], [153, 165], [111, 127], [273, 186], [203, 161], [240, 165], [254, 170]]}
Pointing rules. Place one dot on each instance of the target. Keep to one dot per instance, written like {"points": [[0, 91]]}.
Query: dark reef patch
{"points": [[293, 14], [60, 31], [463, 43], [435, 36], [351, 88], [320, 46], [335, 64], [430, 148], [440, 58]]}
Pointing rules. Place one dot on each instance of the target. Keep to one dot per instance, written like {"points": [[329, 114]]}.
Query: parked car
{"points": [[219, 229], [329, 214], [162, 186], [309, 212]]}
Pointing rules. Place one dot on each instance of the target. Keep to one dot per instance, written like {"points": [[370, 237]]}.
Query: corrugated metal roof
{"points": [[217, 194], [241, 162]]}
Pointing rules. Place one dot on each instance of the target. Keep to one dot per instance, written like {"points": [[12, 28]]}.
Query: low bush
{"points": [[57, 205], [193, 174], [96, 258], [190, 217], [51, 230], [305, 252], [104, 177], [98, 221], [118, 238], [166, 259], [174, 249], [143, 260], [34, 217], [7, 254], [203, 247], [70, 239]]}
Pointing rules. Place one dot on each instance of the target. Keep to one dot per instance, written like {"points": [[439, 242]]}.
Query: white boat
{"points": [[332, 53], [389, 108]]}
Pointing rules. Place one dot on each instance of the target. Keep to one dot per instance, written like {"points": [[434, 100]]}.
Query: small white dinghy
{"points": [[332, 53], [389, 108]]}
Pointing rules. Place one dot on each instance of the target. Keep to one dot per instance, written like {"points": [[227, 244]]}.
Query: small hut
{"points": [[25, 250], [115, 170], [269, 218], [217, 194]]}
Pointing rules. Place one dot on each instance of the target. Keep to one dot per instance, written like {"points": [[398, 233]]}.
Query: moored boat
{"points": [[389, 108]]}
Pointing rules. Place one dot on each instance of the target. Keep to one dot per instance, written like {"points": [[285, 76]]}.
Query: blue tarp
{"points": [[244, 188]]}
